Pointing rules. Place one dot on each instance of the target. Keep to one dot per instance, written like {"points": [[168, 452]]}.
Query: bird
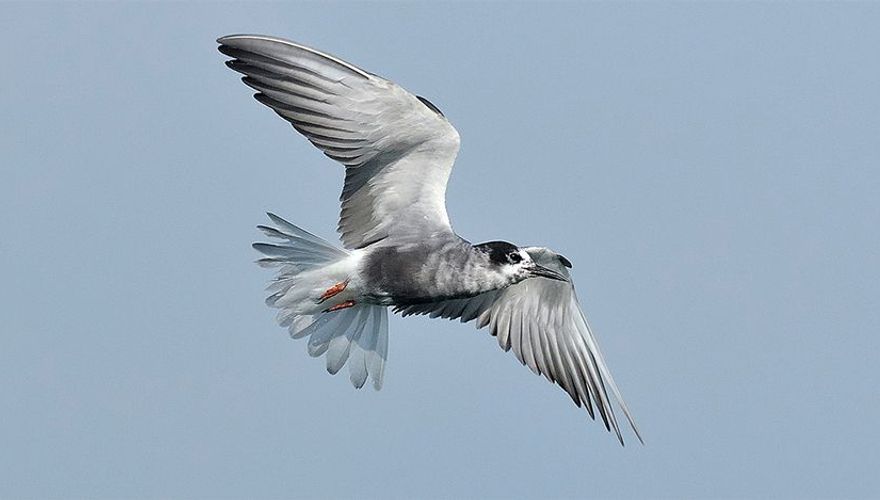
{"points": [[399, 252]]}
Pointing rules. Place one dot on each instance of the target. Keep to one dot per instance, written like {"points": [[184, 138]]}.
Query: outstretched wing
{"points": [[398, 149], [541, 321]]}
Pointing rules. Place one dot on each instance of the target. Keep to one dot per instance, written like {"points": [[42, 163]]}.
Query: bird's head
{"points": [[517, 264]]}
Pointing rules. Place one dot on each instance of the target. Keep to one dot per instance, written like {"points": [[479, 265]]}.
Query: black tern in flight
{"points": [[400, 251]]}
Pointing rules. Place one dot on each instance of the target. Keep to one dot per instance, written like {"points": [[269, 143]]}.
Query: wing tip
{"points": [[232, 41]]}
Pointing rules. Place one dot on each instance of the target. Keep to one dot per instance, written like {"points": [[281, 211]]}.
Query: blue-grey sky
{"points": [[712, 170]]}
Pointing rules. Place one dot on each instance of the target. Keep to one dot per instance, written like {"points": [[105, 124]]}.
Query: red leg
{"points": [[333, 291], [344, 305]]}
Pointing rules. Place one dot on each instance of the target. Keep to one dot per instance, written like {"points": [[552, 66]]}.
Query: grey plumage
{"points": [[400, 250], [442, 267]]}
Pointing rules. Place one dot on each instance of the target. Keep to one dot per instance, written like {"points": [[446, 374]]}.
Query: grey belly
{"points": [[413, 275]]}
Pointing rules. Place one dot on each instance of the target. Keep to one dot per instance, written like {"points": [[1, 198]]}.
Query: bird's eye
{"points": [[514, 258]]}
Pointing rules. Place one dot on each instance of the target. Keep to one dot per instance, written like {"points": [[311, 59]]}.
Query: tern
{"points": [[400, 251]]}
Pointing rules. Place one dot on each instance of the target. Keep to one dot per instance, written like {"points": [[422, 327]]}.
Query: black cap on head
{"points": [[499, 251]]}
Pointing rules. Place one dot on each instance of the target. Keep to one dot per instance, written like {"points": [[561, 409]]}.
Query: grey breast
{"points": [[437, 268]]}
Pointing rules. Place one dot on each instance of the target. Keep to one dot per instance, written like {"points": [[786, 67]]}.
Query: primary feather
{"points": [[397, 152]]}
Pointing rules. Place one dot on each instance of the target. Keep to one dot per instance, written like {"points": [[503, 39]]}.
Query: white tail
{"points": [[309, 265]]}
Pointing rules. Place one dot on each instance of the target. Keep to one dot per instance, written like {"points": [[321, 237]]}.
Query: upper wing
{"points": [[541, 320], [398, 149]]}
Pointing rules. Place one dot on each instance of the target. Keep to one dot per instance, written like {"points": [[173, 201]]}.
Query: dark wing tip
{"points": [[227, 39], [430, 105]]}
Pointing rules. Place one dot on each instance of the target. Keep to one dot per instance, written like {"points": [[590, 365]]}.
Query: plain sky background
{"points": [[712, 170]]}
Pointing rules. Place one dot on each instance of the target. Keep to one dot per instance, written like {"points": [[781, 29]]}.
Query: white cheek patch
{"points": [[511, 271], [515, 272]]}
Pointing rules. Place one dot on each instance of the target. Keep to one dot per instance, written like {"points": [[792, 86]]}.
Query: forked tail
{"points": [[307, 266]]}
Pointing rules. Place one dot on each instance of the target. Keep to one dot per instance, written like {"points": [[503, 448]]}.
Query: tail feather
{"points": [[340, 345], [357, 336], [376, 347], [302, 249], [295, 233]]}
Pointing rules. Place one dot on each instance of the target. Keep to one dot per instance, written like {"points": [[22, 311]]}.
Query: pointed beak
{"points": [[543, 272]]}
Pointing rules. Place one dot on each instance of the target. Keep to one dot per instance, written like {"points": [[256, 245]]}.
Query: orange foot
{"points": [[333, 291], [344, 305]]}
